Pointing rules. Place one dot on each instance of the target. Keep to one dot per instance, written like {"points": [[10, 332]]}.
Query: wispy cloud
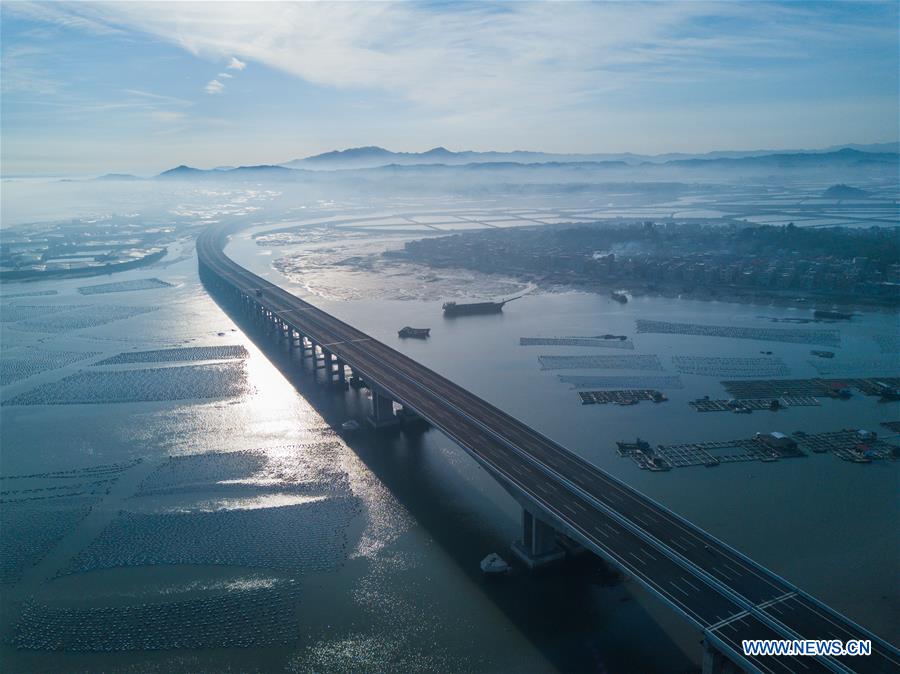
{"points": [[569, 76], [157, 97], [475, 57], [24, 70], [214, 87]]}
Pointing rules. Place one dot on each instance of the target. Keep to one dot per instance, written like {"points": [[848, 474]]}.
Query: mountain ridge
{"points": [[372, 156], [843, 158]]}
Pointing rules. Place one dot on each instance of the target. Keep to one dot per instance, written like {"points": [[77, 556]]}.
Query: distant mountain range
{"points": [[440, 161], [261, 170], [373, 156]]}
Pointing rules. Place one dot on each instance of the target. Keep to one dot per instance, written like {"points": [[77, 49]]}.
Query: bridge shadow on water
{"points": [[579, 614]]}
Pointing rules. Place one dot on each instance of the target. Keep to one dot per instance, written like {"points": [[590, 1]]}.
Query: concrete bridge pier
{"points": [[715, 662], [382, 410], [341, 370], [538, 546]]}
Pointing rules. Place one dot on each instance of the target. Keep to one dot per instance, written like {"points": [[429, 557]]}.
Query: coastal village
{"points": [[649, 257]]}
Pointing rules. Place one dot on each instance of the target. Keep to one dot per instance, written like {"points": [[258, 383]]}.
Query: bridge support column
{"points": [[538, 545], [341, 372], [382, 410], [715, 662]]}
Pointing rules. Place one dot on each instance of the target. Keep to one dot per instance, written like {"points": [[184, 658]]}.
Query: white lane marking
{"points": [[647, 552], [731, 569], [638, 558], [691, 584], [678, 587], [724, 621], [716, 569], [348, 341], [601, 532], [780, 598], [677, 544]]}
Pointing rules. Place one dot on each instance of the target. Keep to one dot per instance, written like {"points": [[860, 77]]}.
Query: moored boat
{"points": [[456, 309], [418, 333]]}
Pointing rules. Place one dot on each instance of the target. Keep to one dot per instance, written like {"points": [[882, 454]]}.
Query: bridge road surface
{"points": [[715, 587]]}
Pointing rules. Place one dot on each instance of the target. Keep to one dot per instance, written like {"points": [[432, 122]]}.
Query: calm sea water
{"points": [[413, 513], [824, 524]]}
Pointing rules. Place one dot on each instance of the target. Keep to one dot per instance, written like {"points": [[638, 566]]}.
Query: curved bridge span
{"points": [[717, 589]]}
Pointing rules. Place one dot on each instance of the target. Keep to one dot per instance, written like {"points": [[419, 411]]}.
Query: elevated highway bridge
{"points": [[717, 589]]}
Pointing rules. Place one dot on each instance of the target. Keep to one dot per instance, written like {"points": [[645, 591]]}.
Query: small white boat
{"points": [[352, 425], [493, 564]]}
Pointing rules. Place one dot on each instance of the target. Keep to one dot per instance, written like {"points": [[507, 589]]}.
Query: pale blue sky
{"points": [[140, 87]]}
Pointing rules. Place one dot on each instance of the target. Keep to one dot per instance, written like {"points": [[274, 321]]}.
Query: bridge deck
{"points": [[715, 587]]}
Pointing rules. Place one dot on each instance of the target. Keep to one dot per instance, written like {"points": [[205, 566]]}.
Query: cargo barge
{"points": [[474, 308], [418, 333]]}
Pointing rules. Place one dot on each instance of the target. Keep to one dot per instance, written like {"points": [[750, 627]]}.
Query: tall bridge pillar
{"points": [[538, 546], [382, 410], [715, 662]]}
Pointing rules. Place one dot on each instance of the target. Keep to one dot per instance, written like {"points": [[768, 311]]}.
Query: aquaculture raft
{"points": [[752, 404], [857, 446], [776, 388], [621, 397], [700, 453]]}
